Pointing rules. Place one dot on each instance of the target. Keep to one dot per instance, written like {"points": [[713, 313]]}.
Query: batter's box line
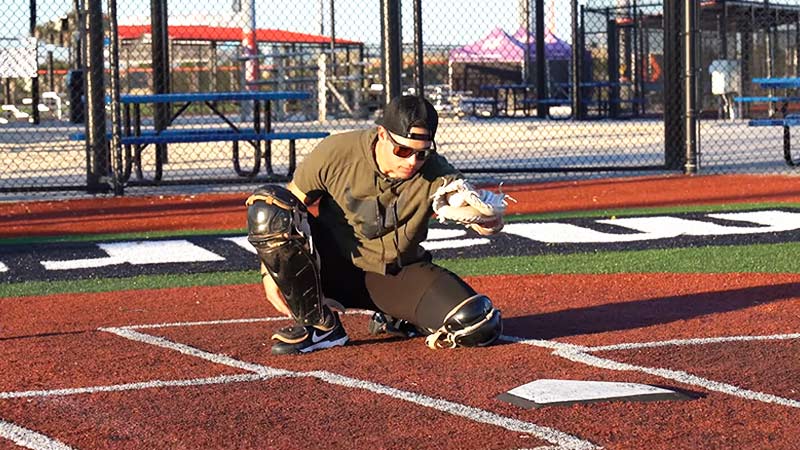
{"points": [[583, 355], [221, 321], [556, 437]]}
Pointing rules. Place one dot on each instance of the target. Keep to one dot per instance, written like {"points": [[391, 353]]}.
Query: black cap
{"points": [[406, 112]]}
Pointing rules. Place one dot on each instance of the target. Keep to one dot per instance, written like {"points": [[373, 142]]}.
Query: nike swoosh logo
{"points": [[316, 338]]}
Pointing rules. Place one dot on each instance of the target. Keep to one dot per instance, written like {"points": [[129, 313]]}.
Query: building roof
{"points": [[228, 34]]}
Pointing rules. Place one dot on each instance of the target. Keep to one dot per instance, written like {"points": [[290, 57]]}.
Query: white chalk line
{"points": [[547, 434], [222, 379], [583, 355], [223, 321], [197, 353], [693, 341], [29, 438], [561, 439]]}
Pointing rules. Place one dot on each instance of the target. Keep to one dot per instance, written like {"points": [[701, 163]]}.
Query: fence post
{"points": [[391, 49], [34, 119], [117, 180], [161, 75], [690, 85], [577, 63], [674, 140], [96, 141], [418, 49], [541, 62]]}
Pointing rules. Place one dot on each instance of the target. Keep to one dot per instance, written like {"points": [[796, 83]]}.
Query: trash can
{"points": [[76, 95]]}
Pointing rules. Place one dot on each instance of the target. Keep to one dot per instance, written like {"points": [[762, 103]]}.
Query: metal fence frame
{"points": [[106, 157]]}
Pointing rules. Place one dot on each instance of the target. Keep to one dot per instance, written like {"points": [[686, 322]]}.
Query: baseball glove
{"points": [[458, 201]]}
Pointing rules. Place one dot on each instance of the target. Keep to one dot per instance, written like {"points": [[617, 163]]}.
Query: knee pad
{"points": [[473, 323], [278, 228]]}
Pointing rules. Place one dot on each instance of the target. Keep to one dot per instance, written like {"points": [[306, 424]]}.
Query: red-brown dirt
{"points": [[55, 342]]}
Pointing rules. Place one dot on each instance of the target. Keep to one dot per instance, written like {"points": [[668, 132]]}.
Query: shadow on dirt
{"points": [[644, 313]]}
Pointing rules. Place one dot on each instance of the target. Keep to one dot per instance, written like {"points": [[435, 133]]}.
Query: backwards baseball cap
{"points": [[406, 112]]}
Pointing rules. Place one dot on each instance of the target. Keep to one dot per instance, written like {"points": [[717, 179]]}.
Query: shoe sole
{"points": [[325, 344], [318, 346]]}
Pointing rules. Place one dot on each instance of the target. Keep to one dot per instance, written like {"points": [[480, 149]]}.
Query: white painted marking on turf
{"points": [[29, 438], [475, 414], [197, 353], [775, 220], [444, 233], [454, 243], [546, 447], [563, 233], [550, 435], [242, 241], [581, 355], [694, 341], [438, 238], [223, 379], [680, 376], [656, 227], [202, 323], [690, 227], [545, 391], [3, 267], [555, 345], [139, 252], [226, 321]]}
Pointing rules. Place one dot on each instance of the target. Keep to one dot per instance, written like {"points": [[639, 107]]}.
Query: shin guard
{"points": [[278, 228]]}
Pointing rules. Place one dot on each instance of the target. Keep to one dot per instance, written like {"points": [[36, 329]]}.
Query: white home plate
{"points": [[566, 392]]}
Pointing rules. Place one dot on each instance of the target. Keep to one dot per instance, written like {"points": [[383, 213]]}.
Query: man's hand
{"points": [[488, 228], [273, 293]]}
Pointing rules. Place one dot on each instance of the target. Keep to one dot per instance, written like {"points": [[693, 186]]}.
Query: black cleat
{"points": [[297, 339], [381, 323]]}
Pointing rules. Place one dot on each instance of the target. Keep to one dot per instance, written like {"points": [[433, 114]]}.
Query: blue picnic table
{"points": [[778, 83], [260, 135], [784, 119]]}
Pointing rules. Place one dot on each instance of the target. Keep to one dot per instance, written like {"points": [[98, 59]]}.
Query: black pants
{"points": [[421, 293]]}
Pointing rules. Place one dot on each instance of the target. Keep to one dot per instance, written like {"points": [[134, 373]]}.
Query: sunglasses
{"points": [[402, 151]]}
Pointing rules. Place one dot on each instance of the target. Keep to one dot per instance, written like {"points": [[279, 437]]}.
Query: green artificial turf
{"points": [[761, 258]]}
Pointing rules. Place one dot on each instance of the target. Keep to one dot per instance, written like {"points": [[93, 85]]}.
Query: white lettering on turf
{"points": [[139, 252], [656, 227]]}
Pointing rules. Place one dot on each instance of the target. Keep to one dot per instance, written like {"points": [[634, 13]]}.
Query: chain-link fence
{"points": [[608, 96]]}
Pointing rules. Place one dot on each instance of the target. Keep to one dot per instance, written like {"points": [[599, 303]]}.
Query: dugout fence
{"points": [[608, 97]]}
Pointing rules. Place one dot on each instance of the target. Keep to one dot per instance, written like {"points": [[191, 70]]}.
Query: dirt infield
{"points": [[359, 393], [191, 368]]}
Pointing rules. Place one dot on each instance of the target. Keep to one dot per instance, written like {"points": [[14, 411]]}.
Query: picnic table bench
{"points": [[260, 135]]}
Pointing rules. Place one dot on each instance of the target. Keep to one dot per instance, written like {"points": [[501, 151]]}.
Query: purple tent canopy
{"points": [[499, 46]]}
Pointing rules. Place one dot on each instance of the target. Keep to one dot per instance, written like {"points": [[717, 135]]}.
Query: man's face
{"points": [[400, 157]]}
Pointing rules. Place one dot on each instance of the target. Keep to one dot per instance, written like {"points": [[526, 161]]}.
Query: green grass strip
{"points": [[131, 283], [762, 258]]}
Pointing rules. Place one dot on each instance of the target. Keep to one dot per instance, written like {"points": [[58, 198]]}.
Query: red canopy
{"points": [[209, 33]]}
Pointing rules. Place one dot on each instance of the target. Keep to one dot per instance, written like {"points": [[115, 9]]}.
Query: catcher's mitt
{"points": [[459, 202]]}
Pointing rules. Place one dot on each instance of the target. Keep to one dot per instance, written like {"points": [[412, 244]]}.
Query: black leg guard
{"points": [[277, 224], [473, 323]]}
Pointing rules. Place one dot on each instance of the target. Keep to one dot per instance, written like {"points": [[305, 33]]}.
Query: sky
{"points": [[444, 21]]}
